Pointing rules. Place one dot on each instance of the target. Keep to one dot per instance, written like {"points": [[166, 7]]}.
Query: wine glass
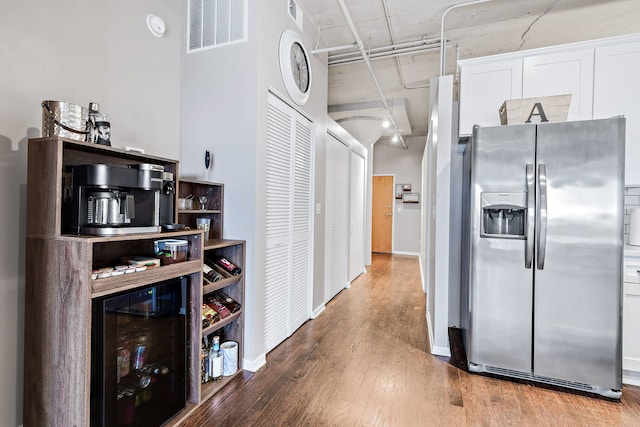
{"points": [[203, 201]]}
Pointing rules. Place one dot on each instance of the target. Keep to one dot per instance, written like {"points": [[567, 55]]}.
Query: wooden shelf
{"points": [[110, 285], [199, 211], [135, 236], [214, 207], [208, 286], [220, 243], [221, 323]]}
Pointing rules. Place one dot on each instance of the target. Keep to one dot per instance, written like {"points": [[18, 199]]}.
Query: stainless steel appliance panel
{"points": [[579, 246], [500, 291]]}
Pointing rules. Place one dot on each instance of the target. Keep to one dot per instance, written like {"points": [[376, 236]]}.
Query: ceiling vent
{"points": [[216, 22], [295, 12]]}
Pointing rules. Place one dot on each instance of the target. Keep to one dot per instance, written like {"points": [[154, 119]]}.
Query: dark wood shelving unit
{"points": [[59, 289]]}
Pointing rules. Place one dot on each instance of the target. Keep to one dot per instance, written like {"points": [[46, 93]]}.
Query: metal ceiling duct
{"points": [[360, 46]]}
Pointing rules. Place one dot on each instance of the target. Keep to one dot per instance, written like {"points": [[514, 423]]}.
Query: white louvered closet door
{"points": [[287, 222], [301, 256]]}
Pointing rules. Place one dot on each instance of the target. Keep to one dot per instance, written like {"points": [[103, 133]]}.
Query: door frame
{"points": [[393, 207]]}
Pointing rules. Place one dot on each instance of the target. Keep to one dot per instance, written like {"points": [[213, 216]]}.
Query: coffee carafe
{"points": [[110, 208]]}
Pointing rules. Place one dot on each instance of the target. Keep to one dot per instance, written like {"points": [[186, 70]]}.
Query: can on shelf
{"points": [[140, 356]]}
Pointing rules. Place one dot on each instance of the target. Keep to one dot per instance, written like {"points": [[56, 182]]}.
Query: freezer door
{"points": [[577, 317], [500, 291]]}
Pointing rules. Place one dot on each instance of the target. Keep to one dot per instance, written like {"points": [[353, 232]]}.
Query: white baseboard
{"points": [[255, 364], [631, 377], [436, 350], [422, 281], [315, 313], [348, 285], [406, 253], [430, 331], [441, 351]]}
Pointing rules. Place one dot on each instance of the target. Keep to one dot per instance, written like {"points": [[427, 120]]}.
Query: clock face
{"points": [[295, 67], [299, 67]]}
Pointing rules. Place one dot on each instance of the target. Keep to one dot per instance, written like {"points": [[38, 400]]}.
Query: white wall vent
{"points": [[216, 22], [295, 12]]}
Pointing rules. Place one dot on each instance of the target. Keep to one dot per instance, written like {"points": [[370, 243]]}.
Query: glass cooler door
{"points": [[138, 364]]}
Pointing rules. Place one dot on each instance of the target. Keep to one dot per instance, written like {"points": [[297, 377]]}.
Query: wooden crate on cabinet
{"points": [[231, 328], [213, 208]]}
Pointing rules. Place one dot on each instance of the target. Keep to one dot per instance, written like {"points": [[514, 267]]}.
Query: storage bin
{"points": [[171, 251]]}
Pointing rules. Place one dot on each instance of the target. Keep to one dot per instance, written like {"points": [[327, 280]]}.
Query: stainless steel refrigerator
{"points": [[541, 295]]}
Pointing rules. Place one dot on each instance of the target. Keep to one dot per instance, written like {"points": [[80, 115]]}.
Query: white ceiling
{"points": [[496, 26]]}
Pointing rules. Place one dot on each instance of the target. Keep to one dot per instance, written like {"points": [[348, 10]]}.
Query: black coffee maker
{"points": [[109, 200]]}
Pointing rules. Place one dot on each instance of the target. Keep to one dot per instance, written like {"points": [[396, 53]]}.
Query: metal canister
{"points": [[140, 356]]}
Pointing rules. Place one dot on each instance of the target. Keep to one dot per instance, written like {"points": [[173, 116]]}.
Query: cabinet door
{"points": [[630, 322], [559, 74], [616, 93], [483, 89]]}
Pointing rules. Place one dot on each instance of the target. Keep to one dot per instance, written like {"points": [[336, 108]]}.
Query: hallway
{"points": [[365, 362]]}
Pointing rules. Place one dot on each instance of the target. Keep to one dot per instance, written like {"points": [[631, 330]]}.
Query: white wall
{"points": [[391, 159], [225, 111], [436, 252], [74, 52]]}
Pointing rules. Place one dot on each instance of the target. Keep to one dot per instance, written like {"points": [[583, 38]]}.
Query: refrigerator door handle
{"points": [[531, 202], [541, 217]]}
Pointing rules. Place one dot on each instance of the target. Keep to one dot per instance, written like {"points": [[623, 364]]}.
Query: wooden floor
{"points": [[365, 361]]}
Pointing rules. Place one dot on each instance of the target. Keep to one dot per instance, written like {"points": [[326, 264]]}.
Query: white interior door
{"points": [[356, 231], [278, 224], [287, 222], [337, 217]]}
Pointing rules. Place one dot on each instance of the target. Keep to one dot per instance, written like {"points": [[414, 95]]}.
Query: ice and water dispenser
{"points": [[504, 215]]}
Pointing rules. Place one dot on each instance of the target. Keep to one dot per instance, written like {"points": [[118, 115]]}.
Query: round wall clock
{"points": [[295, 67]]}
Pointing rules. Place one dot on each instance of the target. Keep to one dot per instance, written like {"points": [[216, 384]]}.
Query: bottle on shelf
{"points": [[211, 314], [204, 362], [232, 305], [227, 265], [215, 360], [212, 302], [205, 322], [210, 274]]}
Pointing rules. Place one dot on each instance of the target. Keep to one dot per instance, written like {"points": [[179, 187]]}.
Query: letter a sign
{"points": [[537, 111]]}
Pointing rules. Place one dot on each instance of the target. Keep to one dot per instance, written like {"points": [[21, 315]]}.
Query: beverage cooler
{"points": [[138, 364]]}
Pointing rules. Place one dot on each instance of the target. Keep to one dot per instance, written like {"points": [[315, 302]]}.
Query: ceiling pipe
{"points": [[352, 58], [360, 46], [397, 57], [421, 43], [334, 48], [443, 46]]}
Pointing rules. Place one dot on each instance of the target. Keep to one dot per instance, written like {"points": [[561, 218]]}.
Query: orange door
{"points": [[382, 214]]}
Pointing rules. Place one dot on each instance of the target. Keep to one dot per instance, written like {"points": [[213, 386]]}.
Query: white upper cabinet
{"points": [[617, 92], [601, 76], [484, 87], [559, 74]]}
